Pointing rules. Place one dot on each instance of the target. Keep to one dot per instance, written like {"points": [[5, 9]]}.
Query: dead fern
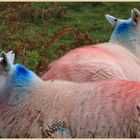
{"points": [[15, 17]]}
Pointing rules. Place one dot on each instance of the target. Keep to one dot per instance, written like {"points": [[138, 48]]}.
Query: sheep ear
{"points": [[111, 19], [11, 56], [135, 16], [6, 60]]}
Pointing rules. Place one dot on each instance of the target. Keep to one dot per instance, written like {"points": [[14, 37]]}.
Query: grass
{"points": [[36, 31]]}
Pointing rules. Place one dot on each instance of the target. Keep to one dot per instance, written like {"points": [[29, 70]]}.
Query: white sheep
{"points": [[127, 32], [31, 107]]}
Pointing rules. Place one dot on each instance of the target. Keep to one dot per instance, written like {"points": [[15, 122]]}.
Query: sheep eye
{"points": [[115, 19]]}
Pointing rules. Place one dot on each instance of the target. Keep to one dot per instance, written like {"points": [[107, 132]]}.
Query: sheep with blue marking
{"points": [[31, 107], [126, 32], [109, 60]]}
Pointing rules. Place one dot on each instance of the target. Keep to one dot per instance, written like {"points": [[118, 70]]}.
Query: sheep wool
{"points": [[95, 62], [31, 107]]}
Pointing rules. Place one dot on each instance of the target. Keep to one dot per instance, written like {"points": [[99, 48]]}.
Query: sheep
{"points": [[95, 62], [111, 61], [31, 107], [126, 32]]}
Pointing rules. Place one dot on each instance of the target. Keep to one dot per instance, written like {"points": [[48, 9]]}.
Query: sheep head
{"points": [[6, 61], [6, 67], [126, 32], [16, 80]]}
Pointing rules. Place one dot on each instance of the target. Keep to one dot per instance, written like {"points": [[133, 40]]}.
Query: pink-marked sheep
{"points": [[126, 32], [92, 63], [103, 61], [31, 107]]}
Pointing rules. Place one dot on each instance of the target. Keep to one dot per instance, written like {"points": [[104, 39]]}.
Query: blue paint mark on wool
{"points": [[21, 71], [124, 26], [22, 82], [125, 32], [22, 74], [64, 130]]}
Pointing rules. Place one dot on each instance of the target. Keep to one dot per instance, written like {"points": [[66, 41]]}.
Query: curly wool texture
{"points": [[95, 62]]}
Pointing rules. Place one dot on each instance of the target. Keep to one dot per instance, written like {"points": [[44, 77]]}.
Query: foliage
{"points": [[41, 32]]}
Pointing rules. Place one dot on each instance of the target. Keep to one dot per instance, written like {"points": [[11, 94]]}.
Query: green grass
{"points": [[27, 28]]}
